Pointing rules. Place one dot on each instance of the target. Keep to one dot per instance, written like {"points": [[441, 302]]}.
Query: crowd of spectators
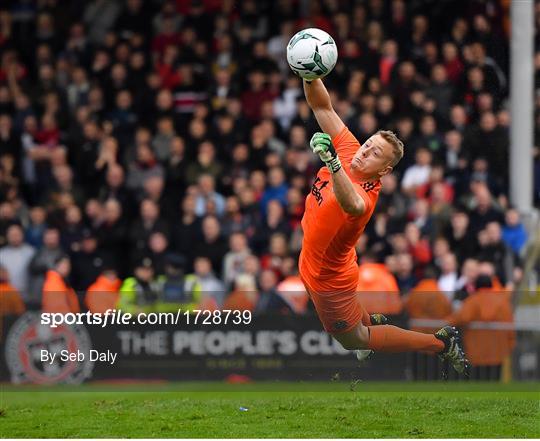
{"points": [[144, 140]]}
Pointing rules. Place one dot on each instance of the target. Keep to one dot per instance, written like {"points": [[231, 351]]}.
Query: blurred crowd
{"points": [[158, 150]]}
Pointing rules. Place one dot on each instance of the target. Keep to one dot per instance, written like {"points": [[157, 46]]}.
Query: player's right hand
{"points": [[321, 144]]}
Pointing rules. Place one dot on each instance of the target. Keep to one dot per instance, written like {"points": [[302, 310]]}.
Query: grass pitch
{"points": [[330, 410]]}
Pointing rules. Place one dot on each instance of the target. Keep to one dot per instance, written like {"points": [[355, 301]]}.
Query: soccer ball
{"points": [[312, 53]]}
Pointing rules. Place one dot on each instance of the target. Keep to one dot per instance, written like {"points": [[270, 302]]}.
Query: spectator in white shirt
{"points": [[448, 280], [417, 174], [233, 262], [16, 257]]}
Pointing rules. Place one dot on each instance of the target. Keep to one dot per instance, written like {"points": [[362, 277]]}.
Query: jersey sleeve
{"points": [[346, 145]]}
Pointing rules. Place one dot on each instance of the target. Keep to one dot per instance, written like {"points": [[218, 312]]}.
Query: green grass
{"points": [[304, 410]]}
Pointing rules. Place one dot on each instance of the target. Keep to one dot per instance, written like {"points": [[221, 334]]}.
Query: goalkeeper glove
{"points": [[321, 144]]}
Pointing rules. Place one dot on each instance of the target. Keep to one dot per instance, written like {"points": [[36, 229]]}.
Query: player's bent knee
{"points": [[357, 338]]}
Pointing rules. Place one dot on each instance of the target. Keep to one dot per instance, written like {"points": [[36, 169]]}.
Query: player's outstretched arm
{"points": [[319, 100], [349, 200]]}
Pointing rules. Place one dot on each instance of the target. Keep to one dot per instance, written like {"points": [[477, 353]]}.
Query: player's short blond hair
{"points": [[396, 143]]}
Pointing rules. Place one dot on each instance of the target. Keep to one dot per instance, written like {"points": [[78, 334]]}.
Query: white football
{"points": [[312, 53]]}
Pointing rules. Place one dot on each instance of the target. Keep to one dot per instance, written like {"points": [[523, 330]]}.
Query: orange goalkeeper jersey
{"points": [[330, 234]]}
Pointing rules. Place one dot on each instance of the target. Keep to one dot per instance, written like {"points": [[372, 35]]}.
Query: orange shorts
{"points": [[338, 309]]}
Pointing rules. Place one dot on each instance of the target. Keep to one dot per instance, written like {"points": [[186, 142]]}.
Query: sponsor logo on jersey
{"points": [[316, 190]]}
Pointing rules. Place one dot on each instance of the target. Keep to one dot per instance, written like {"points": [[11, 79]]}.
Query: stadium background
{"points": [[165, 142]]}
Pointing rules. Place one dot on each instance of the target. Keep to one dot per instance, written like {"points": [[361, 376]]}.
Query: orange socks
{"points": [[388, 338]]}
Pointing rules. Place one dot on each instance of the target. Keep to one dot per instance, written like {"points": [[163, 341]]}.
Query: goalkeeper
{"points": [[339, 206]]}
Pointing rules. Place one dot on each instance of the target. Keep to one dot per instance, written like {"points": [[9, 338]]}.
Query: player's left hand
{"points": [[321, 144]]}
